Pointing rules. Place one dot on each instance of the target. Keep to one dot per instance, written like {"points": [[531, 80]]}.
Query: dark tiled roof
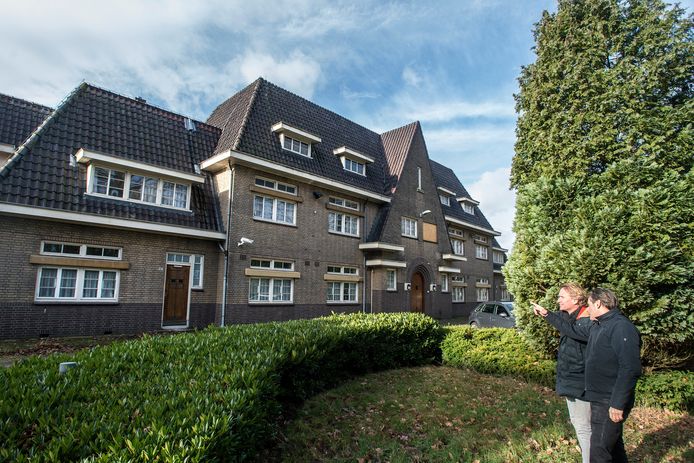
{"points": [[251, 133], [445, 178], [42, 175], [396, 144], [19, 118], [496, 244]]}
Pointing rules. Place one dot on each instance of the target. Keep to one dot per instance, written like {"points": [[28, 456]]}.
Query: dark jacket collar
{"points": [[608, 316]]}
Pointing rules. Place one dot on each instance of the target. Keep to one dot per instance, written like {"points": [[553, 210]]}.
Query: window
{"points": [[505, 296], [482, 281], [296, 146], [480, 238], [419, 179], [445, 200], [482, 294], [455, 231], [274, 210], [391, 280], [458, 294], [139, 188], [270, 290], [272, 264], [469, 208], [409, 227], [353, 166], [458, 278], [272, 185], [341, 292], [196, 261], [458, 247], [80, 250], [444, 282], [344, 203], [342, 270], [498, 257], [343, 224], [481, 252], [72, 284]]}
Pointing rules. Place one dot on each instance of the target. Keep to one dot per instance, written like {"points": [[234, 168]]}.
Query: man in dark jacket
{"points": [[613, 365], [570, 361]]}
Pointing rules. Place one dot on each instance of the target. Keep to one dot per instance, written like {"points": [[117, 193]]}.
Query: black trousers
{"points": [[606, 444]]}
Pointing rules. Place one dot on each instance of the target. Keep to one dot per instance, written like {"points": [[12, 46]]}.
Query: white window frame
{"points": [[342, 202], [79, 285], [276, 186], [469, 208], [482, 294], [444, 282], [498, 257], [342, 285], [419, 179], [481, 252], [275, 202], [505, 295], [455, 231], [458, 247], [482, 281], [340, 270], [191, 260], [480, 238], [458, 294], [391, 283], [272, 264], [271, 291], [408, 227], [91, 183], [337, 223], [445, 200], [82, 252], [350, 165], [293, 143]]}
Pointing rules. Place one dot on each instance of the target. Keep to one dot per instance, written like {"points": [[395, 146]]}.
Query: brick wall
{"points": [[140, 299]]}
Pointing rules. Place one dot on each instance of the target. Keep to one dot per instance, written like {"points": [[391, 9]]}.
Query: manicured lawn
{"points": [[445, 414]]}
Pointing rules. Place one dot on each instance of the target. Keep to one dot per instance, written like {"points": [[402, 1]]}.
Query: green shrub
{"points": [[214, 395], [506, 352]]}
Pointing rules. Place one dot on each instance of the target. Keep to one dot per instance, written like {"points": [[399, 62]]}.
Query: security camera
{"points": [[245, 241]]}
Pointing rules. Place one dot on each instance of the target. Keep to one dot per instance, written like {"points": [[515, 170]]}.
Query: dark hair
{"points": [[607, 297]]}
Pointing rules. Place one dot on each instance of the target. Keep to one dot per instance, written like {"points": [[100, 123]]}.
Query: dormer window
{"points": [[445, 200], [445, 195], [294, 139], [468, 205], [352, 160], [469, 208], [126, 180]]}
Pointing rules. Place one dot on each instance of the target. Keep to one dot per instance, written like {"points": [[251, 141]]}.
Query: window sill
{"points": [[342, 303], [343, 234], [275, 223], [39, 302], [410, 237], [271, 303], [391, 290], [481, 258]]}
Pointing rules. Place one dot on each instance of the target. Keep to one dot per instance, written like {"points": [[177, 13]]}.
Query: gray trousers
{"points": [[579, 412]]}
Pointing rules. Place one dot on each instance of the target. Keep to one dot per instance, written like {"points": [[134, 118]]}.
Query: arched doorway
{"points": [[417, 293]]}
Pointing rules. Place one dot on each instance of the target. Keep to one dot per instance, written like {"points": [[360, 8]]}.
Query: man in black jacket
{"points": [[613, 366], [570, 362]]}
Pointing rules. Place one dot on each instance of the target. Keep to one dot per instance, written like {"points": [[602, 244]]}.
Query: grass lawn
{"points": [[440, 414]]}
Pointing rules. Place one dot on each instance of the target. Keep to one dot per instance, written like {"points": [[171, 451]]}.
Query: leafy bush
{"points": [[214, 395], [506, 352]]}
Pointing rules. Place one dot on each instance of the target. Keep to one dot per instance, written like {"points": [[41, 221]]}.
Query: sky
{"points": [[452, 65]]}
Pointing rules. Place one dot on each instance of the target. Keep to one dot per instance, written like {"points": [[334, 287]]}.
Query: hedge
{"points": [[214, 395], [506, 352]]}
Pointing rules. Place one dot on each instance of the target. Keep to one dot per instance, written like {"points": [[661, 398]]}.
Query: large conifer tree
{"points": [[603, 167]]}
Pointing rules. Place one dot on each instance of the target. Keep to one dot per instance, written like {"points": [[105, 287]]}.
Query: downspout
{"points": [[232, 178], [363, 289]]}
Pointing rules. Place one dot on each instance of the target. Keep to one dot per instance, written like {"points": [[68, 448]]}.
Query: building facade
{"points": [[120, 217]]}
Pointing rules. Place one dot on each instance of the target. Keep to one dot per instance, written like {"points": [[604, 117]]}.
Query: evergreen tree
{"points": [[603, 167]]}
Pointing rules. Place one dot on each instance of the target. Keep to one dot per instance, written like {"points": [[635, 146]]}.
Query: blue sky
{"points": [[452, 65]]}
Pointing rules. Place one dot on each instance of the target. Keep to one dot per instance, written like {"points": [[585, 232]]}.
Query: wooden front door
{"points": [[176, 295], [417, 293]]}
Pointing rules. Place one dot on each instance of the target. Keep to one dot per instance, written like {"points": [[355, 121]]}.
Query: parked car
{"points": [[493, 314]]}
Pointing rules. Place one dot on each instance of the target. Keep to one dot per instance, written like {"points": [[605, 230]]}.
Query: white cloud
{"points": [[411, 77], [476, 139], [497, 202], [298, 73]]}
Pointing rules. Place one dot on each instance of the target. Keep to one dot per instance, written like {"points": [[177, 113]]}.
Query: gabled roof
{"points": [[19, 118], [396, 144], [43, 172], [446, 178], [246, 120]]}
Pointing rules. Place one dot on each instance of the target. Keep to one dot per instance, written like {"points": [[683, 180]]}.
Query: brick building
{"points": [[120, 217]]}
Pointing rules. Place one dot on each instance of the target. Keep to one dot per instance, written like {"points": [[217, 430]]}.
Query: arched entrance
{"points": [[417, 293]]}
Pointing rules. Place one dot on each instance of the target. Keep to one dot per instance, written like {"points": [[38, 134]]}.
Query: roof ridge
{"points": [[29, 142], [247, 113], [23, 100]]}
